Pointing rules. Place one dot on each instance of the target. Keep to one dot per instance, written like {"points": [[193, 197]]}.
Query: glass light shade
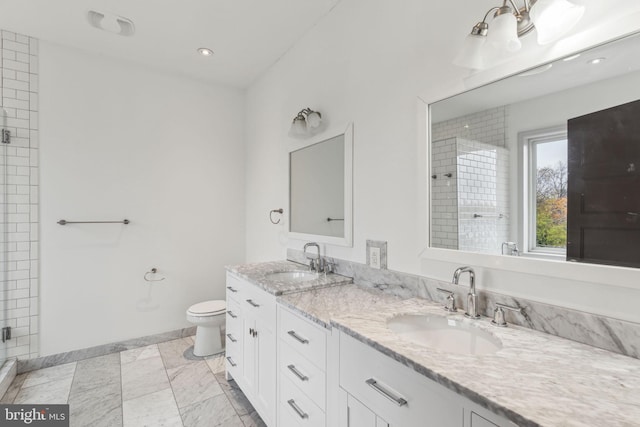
{"points": [[471, 54], [554, 18], [314, 120], [298, 127], [503, 33]]}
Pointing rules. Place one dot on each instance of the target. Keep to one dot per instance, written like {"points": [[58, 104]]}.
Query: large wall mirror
{"points": [[543, 164], [321, 188]]}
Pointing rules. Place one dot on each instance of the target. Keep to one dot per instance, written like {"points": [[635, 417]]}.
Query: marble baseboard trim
{"points": [[8, 373], [101, 350], [608, 333]]}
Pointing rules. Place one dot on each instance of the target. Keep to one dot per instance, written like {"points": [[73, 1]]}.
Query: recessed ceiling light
{"points": [[205, 52], [596, 61], [571, 58]]}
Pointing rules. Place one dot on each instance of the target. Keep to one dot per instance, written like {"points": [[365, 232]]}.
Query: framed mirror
{"points": [[544, 164], [321, 188]]}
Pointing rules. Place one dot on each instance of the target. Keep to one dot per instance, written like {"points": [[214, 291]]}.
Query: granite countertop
{"points": [[258, 274], [536, 379]]}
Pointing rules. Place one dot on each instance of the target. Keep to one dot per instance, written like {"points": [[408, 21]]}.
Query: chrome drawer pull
{"points": [[386, 393], [253, 303], [231, 362], [232, 289], [230, 313], [297, 373], [296, 408], [298, 337], [231, 338]]}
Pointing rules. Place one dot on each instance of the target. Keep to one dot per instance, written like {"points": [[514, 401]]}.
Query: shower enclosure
{"points": [[4, 236]]}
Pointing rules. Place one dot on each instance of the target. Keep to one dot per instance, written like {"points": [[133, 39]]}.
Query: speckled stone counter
{"points": [[322, 305], [536, 379], [258, 274]]}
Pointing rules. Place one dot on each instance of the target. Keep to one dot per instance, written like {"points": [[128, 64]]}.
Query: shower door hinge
{"points": [[6, 333], [6, 136]]}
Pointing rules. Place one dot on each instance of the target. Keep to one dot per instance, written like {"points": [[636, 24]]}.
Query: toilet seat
{"points": [[207, 308]]}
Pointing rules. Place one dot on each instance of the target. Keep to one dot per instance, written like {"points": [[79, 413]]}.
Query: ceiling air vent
{"points": [[111, 23]]}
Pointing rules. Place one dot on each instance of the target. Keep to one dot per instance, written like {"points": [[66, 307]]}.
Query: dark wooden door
{"points": [[603, 219]]}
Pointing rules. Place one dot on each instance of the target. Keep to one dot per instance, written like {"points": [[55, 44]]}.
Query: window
{"points": [[545, 204]]}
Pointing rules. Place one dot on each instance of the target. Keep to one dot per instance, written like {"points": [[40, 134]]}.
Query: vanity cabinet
{"points": [[251, 358], [358, 415], [397, 396], [302, 371]]}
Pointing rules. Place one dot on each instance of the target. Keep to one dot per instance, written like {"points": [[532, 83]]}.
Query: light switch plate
{"points": [[377, 254]]}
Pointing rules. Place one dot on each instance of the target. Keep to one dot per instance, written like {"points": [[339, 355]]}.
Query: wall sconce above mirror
{"points": [[321, 188], [494, 39], [543, 164], [306, 123]]}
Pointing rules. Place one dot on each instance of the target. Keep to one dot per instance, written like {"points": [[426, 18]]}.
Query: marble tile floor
{"points": [[158, 385]]}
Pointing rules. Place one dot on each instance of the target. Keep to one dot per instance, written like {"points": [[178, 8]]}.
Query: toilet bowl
{"points": [[208, 316]]}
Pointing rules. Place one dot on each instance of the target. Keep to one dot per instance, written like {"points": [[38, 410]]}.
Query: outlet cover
{"points": [[377, 254]]}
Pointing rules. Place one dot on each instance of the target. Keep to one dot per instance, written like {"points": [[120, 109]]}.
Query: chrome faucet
{"points": [[317, 263], [472, 298]]}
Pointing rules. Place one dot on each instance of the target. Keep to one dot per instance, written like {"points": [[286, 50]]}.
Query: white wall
{"points": [[119, 141], [367, 62]]}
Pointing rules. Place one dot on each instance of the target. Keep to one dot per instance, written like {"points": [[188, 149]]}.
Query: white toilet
{"points": [[208, 316]]}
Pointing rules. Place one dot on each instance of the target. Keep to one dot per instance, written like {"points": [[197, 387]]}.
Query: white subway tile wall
{"points": [[470, 149], [19, 250], [488, 126], [483, 188]]}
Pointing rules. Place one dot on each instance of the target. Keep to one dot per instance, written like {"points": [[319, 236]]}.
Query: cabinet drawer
{"points": [[295, 405], [310, 379], [233, 322], [259, 304], [233, 362], [396, 393], [303, 336], [236, 287]]}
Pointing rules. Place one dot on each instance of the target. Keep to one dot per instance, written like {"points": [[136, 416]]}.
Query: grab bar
{"points": [[65, 222]]}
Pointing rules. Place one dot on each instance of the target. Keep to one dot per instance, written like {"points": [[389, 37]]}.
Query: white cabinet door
{"points": [[266, 367], [359, 415], [248, 354]]}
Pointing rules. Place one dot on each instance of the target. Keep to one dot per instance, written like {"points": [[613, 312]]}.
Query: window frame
{"points": [[528, 142]]}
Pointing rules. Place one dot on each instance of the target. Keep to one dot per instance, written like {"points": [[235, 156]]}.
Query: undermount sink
{"points": [[293, 276], [444, 333]]}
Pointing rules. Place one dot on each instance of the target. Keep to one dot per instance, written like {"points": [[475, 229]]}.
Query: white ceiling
{"points": [[247, 36]]}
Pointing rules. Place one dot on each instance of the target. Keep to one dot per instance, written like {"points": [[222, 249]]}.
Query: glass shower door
{"points": [[4, 234]]}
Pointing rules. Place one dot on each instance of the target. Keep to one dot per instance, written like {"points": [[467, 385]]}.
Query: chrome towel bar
{"points": [[65, 222]]}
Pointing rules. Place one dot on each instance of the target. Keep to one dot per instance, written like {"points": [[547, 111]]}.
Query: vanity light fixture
{"points": [[306, 123], [551, 19], [205, 51]]}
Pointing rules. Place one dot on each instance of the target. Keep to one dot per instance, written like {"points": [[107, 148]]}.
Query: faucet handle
{"points": [[450, 304], [329, 267], [498, 314]]}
